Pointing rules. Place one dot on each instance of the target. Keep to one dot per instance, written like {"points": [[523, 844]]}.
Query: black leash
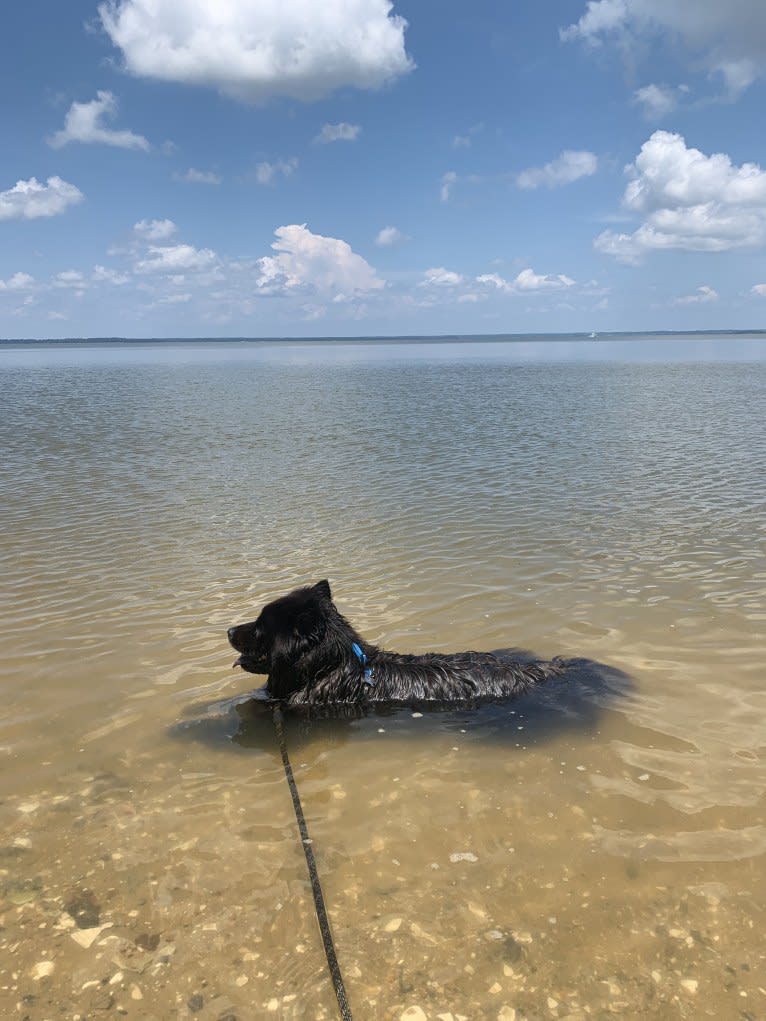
{"points": [[316, 889]]}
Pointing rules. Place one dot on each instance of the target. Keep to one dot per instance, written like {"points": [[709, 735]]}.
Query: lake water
{"points": [[573, 855]]}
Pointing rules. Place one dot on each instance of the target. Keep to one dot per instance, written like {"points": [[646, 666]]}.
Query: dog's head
{"points": [[283, 637]]}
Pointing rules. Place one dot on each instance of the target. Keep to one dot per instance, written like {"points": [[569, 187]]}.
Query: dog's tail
{"points": [[554, 667], [542, 668], [551, 669]]}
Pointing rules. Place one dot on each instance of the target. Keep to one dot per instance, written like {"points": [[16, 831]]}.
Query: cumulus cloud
{"points": [[307, 261], [658, 101], [389, 236], [729, 39], [600, 16], [83, 123], [102, 274], [155, 230], [690, 201], [70, 278], [569, 166], [338, 133], [448, 182], [526, 280], [496, 281], [175, 259], [702, 296], [759, 289], [252, 51], [267, 173], [18, 282], [446, 285], [193, 176], [29, 200], [440, 277]]}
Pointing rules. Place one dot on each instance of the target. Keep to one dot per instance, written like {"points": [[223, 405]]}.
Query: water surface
{"points": [[576, 855]]}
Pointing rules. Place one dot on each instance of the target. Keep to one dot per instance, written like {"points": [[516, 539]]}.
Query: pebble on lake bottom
{"points": [[413, 1014]]}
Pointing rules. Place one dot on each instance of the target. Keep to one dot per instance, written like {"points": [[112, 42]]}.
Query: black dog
{"points": [[314, 657]]}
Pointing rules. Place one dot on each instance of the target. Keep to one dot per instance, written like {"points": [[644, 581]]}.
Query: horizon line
{"points": [[456, 337]]}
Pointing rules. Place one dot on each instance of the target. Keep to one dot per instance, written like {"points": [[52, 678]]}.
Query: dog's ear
{"points": [[302, 633], [307, 623], [323, 588]]}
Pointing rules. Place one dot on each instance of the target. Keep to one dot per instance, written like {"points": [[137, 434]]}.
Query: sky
{"points": [[289, 168]]}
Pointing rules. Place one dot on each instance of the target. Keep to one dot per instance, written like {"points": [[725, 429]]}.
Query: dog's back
{"points": [[313, 656]]}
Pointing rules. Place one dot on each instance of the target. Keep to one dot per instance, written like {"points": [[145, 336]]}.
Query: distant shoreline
{"points": [[758, 334]]}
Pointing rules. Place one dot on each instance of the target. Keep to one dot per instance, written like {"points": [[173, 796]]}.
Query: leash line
{"points": [[316, 888]]}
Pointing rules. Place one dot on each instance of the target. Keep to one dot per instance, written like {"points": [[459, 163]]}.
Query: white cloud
{"points": [[193, 176], [21, 310], [103, 274], [759, 289], [448, 182], [726, 38], [313, 312], [83, 124], [739, 74], [251, 51], [18, 282], [441, 277], [702, 296], [267, 173], [175, 259], [658, 101], [451, 286], [569, 166], [70, 278], [29, 200], [497, 281], [338, 133], [691, 202], [600, 16], [389, 236], [527, 280], [466, 141], [171, 299], [155, 230], [313, 262]]}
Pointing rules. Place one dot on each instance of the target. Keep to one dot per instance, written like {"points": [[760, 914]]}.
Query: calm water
{"points": [[598, 855]]}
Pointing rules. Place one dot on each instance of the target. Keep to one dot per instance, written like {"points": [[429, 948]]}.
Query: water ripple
{"points": [[607, 510]]}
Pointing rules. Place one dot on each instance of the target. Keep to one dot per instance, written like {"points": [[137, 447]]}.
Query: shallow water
{"points": [[591, 852]]}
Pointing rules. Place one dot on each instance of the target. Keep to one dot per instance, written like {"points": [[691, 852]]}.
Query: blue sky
{"points": [[289, 168]]}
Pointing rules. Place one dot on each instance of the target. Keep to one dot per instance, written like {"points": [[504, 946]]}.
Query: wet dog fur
{"points": [[313, 657]]}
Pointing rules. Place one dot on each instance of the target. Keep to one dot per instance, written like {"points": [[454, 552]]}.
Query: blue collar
{"points": [[357, 650]]}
